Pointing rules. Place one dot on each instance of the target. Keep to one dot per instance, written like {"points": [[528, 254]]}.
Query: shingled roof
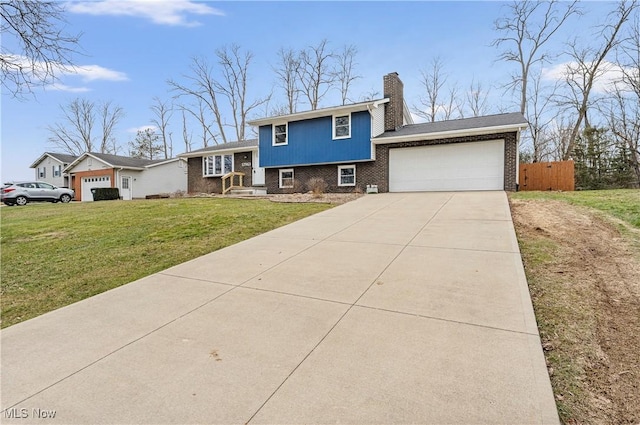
{"points": [[231, 146], [488, 122]]}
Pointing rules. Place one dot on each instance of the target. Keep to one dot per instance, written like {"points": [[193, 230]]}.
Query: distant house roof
{"points": [[250, 144], [62, 157], [455, 128], [117, 161]]}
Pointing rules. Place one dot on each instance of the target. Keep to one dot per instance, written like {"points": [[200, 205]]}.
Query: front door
{"points": [[258, 172], [125, 188]]}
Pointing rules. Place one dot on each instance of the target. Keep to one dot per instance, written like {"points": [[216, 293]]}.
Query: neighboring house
{"points": [[134, 177], [208, 165], [49, 168]]}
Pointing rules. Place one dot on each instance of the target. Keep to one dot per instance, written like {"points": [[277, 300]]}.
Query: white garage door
{"points": [[89, 183], [456, 166]]}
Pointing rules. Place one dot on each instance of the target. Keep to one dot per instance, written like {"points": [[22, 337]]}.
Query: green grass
{"points": [[623, 204], [54, 254]]}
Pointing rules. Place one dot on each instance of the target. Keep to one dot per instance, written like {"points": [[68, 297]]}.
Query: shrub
{"points": [[317, 186], [105, 193]]}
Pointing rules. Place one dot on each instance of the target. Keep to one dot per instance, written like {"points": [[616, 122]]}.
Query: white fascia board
{"points": [[448, 134], [168, 161], [83, 156], [352, 161], [217, 152], [319, 113], [39, 160]]}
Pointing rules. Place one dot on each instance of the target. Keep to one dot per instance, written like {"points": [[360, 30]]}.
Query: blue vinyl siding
{"points": [[310, 142]]}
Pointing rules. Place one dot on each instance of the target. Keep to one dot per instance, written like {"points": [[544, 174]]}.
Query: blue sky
{"points": [[131, 48]]}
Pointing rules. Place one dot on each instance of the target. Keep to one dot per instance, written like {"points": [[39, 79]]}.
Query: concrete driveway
{"points": [[392, 309]]}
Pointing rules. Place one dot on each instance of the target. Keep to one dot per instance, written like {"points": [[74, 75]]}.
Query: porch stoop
{"points": [[250, 191]]}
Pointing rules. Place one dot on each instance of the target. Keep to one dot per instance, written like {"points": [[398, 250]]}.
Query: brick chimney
{"points": [[393, 89]]}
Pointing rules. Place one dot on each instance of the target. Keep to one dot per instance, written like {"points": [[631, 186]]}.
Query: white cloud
{"points": [[135, 130], [609, 74], [65, 88], [97, 72], [163, 12], [51, 73]]}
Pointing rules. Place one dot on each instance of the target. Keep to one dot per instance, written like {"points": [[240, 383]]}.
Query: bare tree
{"points": [[477, 97], [432, 81], [540, 103], [200, 87], [75, 134], [206, 91], [345, 73], [452, 108], [287, 71], [110, 115], [622, 108], [163, 110], [588, 64], [186, 136], [234, 67], [527, 28], [43, 50], [315, 74]]}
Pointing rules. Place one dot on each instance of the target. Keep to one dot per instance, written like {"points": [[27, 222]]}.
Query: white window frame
{"points": [[285, 170], [57, 170], [286, 134], [212, 158], [342, 167], [333, 126]]}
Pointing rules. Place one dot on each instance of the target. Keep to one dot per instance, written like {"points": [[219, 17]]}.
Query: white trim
{"points": [[285, 170], [222, 163], [333, 126], [286, 134], [216, 152], [447, 134], [340, 168], [317, 163], [168, 161], [319, 113]]}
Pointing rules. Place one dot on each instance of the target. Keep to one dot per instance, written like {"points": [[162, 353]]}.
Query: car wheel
{"points": [[65, 198], [21, 200], [9, 204]]}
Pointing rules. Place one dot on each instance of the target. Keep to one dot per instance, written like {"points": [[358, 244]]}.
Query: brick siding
{"points": [[197, 183], [377, 172]]}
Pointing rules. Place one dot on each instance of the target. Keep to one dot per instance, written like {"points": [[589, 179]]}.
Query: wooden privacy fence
{"points": [[547, 176]]}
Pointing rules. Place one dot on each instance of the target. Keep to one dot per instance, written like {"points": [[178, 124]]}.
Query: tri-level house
{"points": [[377, 144], [49, 168]]}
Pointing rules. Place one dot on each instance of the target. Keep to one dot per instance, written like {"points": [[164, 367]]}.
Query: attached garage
{"points": [[448, 167], [92, 182]]}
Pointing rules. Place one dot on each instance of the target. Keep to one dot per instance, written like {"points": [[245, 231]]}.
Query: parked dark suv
{"points": [[21, 193]]}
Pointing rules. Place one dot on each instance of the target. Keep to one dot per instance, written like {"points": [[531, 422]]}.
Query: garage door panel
{"points": [[89, 183], [460, 166]]}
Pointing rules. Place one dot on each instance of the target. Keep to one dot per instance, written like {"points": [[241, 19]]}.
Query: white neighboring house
{"points": [[49, 167], [134, 177]]}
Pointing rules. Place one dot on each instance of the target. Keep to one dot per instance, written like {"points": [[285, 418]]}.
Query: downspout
{"points": [[118, 179]]}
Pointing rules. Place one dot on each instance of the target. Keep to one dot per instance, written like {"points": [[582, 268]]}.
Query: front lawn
{"points": [[54, 254], [621, 203]]}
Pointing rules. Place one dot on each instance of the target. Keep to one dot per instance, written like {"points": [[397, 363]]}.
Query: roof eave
{"points": [[216, 151], [163, 162], [448, 134], [318, 113]]}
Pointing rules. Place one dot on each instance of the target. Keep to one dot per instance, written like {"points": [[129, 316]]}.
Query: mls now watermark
{"points": [[24, 413]]}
